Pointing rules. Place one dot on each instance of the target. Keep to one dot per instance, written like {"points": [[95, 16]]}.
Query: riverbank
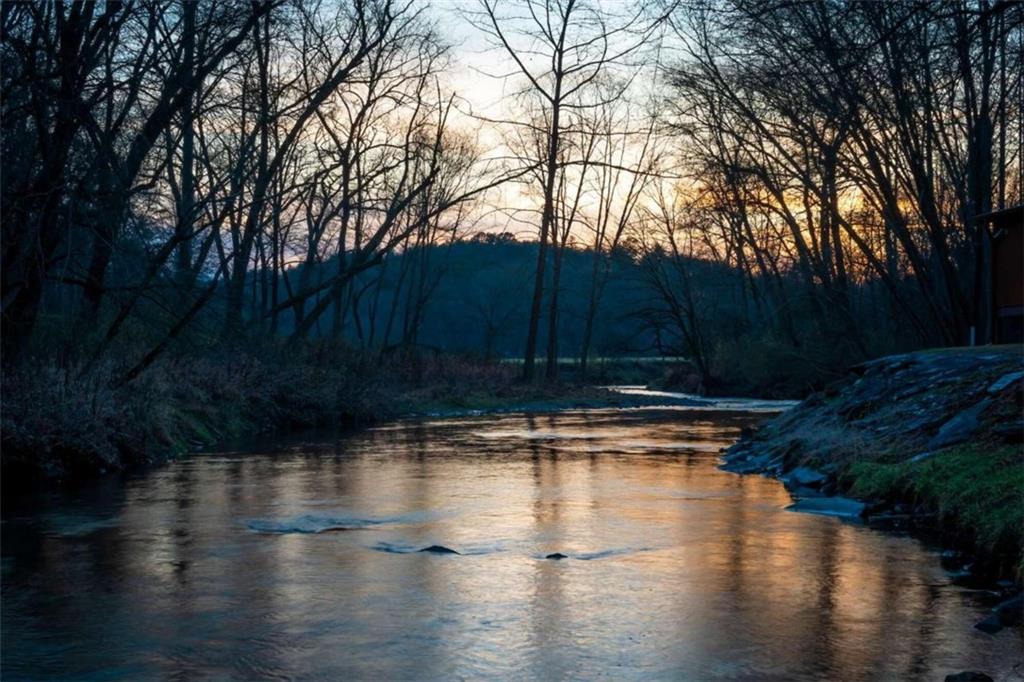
{"points": [[60, 423], [927, 441]]}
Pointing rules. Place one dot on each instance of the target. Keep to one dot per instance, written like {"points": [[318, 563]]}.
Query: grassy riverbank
{"points": [[61, 422], [929, 440], [974, 493]]}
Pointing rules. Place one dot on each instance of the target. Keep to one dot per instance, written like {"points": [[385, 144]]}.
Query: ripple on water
{"points": [[339, 521], [436, 548], [312, 523], [607, 553], [530, 434], [733, 587]]}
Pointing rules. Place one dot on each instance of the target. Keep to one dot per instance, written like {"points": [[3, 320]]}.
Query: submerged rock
{"points": [[969, 676], [439, 549], [557, 556]]}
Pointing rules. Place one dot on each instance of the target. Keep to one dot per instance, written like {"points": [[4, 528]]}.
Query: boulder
{"points": [[1009, 613], [866, 395], [804, 476], [961, 427]]}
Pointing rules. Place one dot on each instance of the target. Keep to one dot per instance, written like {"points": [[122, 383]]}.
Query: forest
{"points": [[767, 192]]}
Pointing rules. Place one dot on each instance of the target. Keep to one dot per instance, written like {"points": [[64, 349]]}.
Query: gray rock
{"points": [[800, 492], [969, 676], [867, 392], [806, 476], [961, 427], [747, 464], [924, 420], [829, 506], [1009, 613], [1005, 381]]}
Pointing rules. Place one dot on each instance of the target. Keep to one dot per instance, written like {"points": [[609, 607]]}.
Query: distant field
{"points": [[641, 359]]}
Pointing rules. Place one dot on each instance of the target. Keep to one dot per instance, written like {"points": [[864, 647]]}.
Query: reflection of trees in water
{"points": [[731, 582]]}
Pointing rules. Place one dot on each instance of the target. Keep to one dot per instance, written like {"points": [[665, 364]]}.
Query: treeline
{"points": [[473, 302], [839, 154], [756, 186], [158, 155]]}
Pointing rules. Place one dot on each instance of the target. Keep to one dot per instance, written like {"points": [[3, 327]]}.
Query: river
{"points": [[299, 560]]}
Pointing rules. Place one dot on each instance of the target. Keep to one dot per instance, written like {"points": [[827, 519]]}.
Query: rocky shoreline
{"points": [[926, 442]]}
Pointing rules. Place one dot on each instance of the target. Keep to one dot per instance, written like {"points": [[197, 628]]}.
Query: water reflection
{"points": [[213, 567]]}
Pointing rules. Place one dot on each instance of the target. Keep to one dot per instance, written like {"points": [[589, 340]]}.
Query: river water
{"points": [[299, 561]]}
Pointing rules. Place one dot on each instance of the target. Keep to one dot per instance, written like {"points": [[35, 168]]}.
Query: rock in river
{"points": [[968, 676], [439, 549], [829, 506], [1007, 614]]}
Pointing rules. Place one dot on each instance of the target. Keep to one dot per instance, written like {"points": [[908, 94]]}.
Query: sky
{"points": [[475, 78]]}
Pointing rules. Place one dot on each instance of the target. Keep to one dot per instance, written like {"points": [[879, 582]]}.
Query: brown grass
{"points": [[60, 421]]}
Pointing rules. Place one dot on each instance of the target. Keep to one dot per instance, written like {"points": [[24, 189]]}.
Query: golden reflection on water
{"points": [[677, 570]]}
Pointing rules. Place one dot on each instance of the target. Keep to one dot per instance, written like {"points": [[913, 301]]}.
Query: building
{"points": [[1007, 229]]}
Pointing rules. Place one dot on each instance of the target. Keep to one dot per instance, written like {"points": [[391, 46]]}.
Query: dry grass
{"points": [[59, 422]]}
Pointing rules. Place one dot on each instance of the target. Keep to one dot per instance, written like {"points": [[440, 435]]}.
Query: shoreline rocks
{"points": [[896, 418]]}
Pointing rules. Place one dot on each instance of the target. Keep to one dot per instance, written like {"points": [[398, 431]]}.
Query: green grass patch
{"points": [[977, 489]]}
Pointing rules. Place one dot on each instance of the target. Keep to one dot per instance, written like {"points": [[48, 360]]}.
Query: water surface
{"points": [[301, 561]]}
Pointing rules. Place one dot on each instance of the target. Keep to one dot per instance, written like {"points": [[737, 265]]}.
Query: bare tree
{"points": [[561, 49]]}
